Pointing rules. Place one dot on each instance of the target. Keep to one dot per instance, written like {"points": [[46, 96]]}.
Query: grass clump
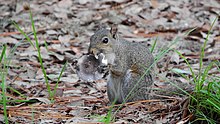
{"points": [[3, 81], [37, 47], [4, 66], [207, 90], [205, 99], [206, 102]]}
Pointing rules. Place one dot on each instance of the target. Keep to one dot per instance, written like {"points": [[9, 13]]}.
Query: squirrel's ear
{"points": [[101, 26], [114, 30]]}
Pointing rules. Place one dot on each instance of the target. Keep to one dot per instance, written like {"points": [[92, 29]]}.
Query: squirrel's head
{"points": [[103, 41]]}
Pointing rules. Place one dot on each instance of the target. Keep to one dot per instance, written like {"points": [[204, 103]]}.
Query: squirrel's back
{"points": [[135, 53]]}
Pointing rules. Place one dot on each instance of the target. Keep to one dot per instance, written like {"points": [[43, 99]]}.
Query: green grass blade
{"points": [[181, 73], [203, 49], [14, 90], [154, 45], [23, 33], [20, 101], [3, 85], [205, 74], [46, 46], [3, 52], [190, 68], [190, 31], [108, 118], [39, 55], [58, 80], [216, 105]]}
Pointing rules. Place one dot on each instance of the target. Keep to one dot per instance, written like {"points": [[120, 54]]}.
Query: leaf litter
{"points": [[64, 28]]}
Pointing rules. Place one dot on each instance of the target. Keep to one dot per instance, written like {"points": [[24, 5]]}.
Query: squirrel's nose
{"points": [[93, 51], [90, 50]]}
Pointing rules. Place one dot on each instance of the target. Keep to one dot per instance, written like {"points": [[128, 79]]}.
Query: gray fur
{"points": [[127, 61]]}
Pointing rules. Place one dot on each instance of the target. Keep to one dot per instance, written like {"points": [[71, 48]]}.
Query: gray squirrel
{"points": [[127, 63]]}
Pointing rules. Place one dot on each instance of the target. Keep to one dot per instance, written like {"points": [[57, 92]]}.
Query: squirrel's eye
{"points": [[105, 40]]}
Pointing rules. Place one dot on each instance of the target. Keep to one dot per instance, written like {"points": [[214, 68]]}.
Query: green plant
{"points": [[154, 45], [108, 118], [207, 105], [205, 101], [5, 61], [3, 83], [37, 47]]}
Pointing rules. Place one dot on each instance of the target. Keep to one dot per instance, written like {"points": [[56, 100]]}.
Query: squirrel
{"points": [[127, 63]]}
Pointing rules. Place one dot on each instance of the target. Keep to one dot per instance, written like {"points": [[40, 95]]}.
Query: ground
{"points": [[63, 30]]}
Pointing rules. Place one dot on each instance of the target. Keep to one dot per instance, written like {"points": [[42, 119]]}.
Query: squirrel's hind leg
{"points": [[114, 90], [134, 88]]}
